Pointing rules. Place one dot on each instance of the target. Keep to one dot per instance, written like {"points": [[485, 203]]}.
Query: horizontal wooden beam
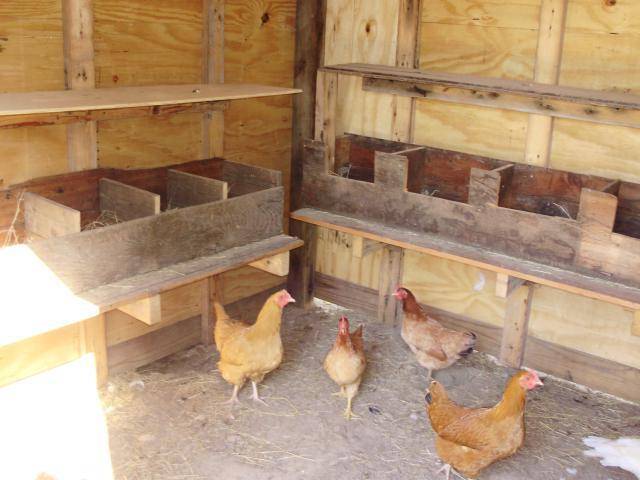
{"points": [[612, 108], [65, 118], [148, 310], [276, 265], [573, 365]]}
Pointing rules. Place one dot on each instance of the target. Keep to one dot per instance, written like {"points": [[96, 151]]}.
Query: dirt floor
{"points": [[168, 421]]}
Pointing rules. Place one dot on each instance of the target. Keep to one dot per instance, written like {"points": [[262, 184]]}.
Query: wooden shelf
{"points": [[68, 106], [64, 308], [613, 108], [539, 273]]}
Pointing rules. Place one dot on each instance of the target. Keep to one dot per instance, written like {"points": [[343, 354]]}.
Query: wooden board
{"points": [[185, 189], [125, 97], [127, 202], [46, 218]]}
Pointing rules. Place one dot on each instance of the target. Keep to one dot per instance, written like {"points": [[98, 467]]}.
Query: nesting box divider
{"points": [[186, 189], [45, 218], [127, 202]]}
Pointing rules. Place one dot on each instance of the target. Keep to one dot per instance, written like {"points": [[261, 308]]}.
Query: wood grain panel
{"points": [[481, 131], [259, 47], [596, 149], [601, 44], [515, 14], [31, 58], [488, 51], [363, 31], [147, 43]]}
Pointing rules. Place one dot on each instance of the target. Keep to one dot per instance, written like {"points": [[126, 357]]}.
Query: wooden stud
{"points": [[506, 284], [309, 56], [391, 171], [45, 218], [148, 310], [516, 326], [186, 189], [213, 72], [301, 284], [362, 247], [391, 268], [94, 341], [207, 317], [276, 265], [551, 29], [77, 22], [127, 202], [326, 103], [407, 56]]}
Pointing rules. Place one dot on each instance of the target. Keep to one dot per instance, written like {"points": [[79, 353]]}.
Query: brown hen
{"points": [[434, 346], [345, 362], [470, 439]]}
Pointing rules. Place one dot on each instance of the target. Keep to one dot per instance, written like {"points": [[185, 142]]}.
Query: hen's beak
{"points": [[396, 294], [539, 383]]}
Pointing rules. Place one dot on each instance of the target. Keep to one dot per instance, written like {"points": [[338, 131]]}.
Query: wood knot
{"points": [[368, 27], [115, 78], [610, 3], [265, 18]]}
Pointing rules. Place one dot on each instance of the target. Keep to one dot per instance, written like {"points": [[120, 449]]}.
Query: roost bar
{"points": [[310, 196]]}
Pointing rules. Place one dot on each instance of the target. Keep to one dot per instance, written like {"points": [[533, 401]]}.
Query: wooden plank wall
{"points": [[493, 39]]}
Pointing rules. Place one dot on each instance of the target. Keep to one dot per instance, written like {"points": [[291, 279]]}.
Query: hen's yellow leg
{"points": [[348, 413], [255, 397], [234, 396]]}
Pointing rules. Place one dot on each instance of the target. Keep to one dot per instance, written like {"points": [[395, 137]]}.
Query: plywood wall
{"points": [[490, 38], [138, 42]]}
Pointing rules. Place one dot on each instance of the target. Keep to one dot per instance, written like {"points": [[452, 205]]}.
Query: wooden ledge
{"points": [[612, 108], [49, 312], [579, 283], [69, 106]]}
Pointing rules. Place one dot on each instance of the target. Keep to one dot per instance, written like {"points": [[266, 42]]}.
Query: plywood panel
{"points": [[150, 142], [454, 287], [481, 131], [596, 149], [362, 31], [31, 58], [259, 47], [601, 45], [146, 43], [584, 324], [488, 51], [514, 14]]}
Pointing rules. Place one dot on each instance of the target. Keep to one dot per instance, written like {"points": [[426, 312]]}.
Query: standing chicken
{"points": [[345, 363], [250, 351], [470, 439], [434, 346]]}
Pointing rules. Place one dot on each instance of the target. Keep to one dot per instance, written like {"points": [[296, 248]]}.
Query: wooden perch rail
{"points": [[612, 108]]}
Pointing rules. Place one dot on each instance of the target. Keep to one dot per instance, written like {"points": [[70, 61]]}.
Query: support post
{"points": [[94, 340], [516, 326], [326, 104], [391, 269], [548, 57], [207, 320], [301, 282], [77, 25], [407, 56], [309, 56], [213, 72]]}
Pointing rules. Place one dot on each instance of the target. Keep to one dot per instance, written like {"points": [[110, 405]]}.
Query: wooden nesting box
{"points": [[577, 232], [171, 227]]}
